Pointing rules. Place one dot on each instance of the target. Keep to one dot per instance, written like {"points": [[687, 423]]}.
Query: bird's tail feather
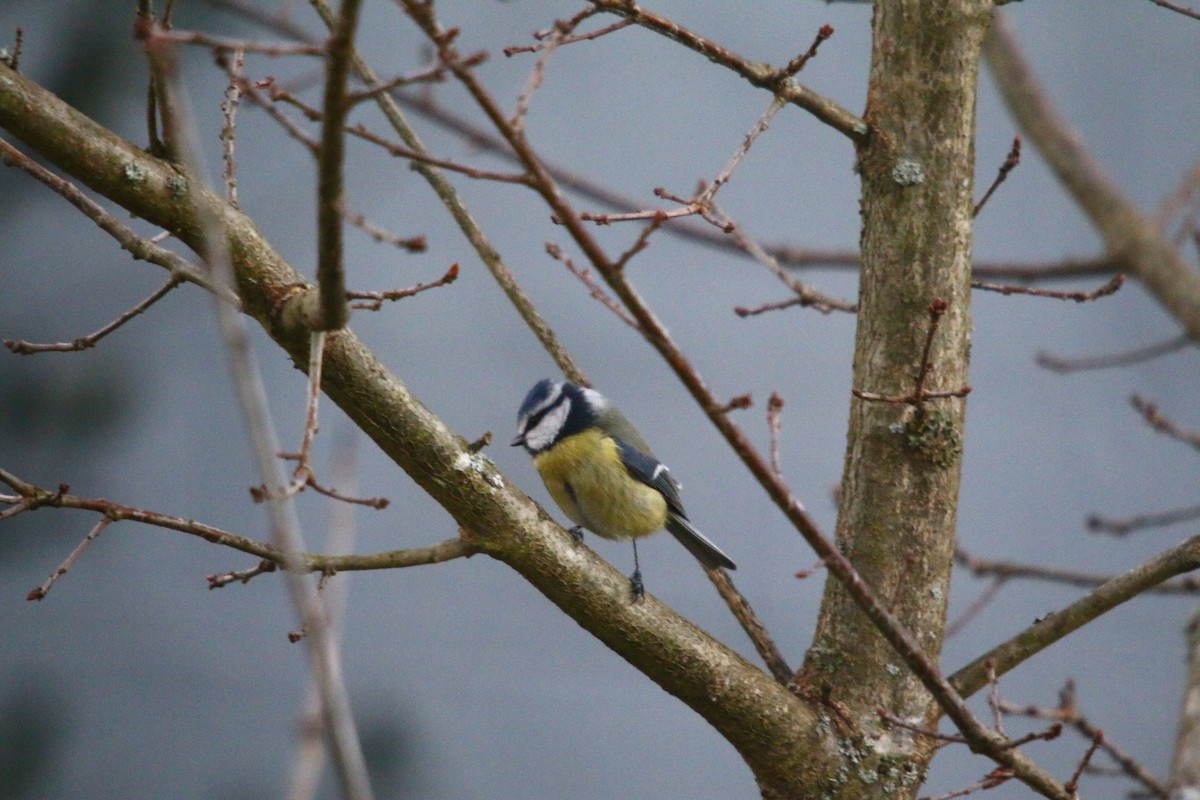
{"points": [[698, 544]]}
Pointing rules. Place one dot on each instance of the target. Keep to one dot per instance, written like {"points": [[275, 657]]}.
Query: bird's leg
{"points": [[637, 590], [577, 533]]}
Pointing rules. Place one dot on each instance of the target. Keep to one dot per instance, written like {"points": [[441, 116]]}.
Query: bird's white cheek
{"points": [[542, 435]]}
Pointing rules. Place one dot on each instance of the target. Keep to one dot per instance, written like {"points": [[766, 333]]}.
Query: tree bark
{"points": [[899, 493]]}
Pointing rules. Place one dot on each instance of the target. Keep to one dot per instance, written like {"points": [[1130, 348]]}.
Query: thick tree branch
{"points": [[1129, 235], [763, 720], [1046, 631]]}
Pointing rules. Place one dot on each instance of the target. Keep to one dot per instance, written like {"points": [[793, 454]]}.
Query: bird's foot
{"points": [[637, 590]]}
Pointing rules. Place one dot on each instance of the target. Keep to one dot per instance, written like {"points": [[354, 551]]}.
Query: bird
{"points": [[602, 473]]}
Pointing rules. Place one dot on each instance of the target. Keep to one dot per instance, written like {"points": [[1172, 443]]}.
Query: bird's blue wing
{"points": [[652, 472]]}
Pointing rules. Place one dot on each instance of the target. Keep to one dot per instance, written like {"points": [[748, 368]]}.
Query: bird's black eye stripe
{"points": [[536, 417]]}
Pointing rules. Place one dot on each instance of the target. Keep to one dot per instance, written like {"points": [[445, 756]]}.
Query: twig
{"points": [[137, 246], [331, 158], [1163, 424], [229, 45], [229, 109], [768, 651], [324, 658], [796, 64], [1097, 740], [467, 224], [1187, 12], [373, 301], [1010, 162], [990, 781], [775, 425], [978, 604], [1068, 713], [806, 296], [774, 80], [1123, 527], [1176, 560], [22, 347], [919, 394], [413, 244], [594, 289], [1128, 234], [1119, 359], [223, 579], [367, 135], [1079, 297], [41, 591], [1010, 570]]}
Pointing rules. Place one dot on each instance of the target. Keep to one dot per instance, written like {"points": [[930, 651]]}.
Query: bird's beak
{"points": [[518, 439]]}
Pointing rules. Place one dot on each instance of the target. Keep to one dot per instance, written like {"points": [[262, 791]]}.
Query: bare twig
{"points": [[373, 301], [1120, 359], [1079, 297], [140, 248], [1049, 629], [919, 395], [1123, 527], [776, 81], [413, 244], [44, 589], [84, 342], [594, 289], [1163, 424], [1178, 9], [775, 425], [229, 109], [331, 157], [230, 45], [1010, 163], [768, 651], [324, 657], [1129, 235], [1003, 571]]}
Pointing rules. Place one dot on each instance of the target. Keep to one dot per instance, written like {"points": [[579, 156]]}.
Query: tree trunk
{"points": [[900, 486]]}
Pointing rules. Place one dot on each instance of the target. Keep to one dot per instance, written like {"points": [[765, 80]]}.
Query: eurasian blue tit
{"points": [[601, 472]]}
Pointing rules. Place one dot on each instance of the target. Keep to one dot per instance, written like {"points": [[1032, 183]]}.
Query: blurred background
{"points": [[133, 680]]}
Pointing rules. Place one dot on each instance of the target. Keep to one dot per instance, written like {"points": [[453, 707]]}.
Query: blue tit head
{"points": [[554, 410]]}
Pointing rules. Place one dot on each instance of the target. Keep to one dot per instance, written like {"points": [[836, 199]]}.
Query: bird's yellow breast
{"points": [[585, 476]]}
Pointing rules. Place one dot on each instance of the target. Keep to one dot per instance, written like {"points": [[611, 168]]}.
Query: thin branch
{"points": [[84, 342], [1163, 424], [768, 651], [1068, 713], [1047, 630], [229, 109], [1003, 571], [594, 289], [467, 224], [775, 426], [1178, 9], [413, 244], [1079, 297], [137, 246], [373, 301], [30, 497], [1118, 359], [776, 81], [230, 45], [1010, 163], [1129, 235], [44, 589], [324, 658], [331, 161], [367, 135], [1123, 527]]}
